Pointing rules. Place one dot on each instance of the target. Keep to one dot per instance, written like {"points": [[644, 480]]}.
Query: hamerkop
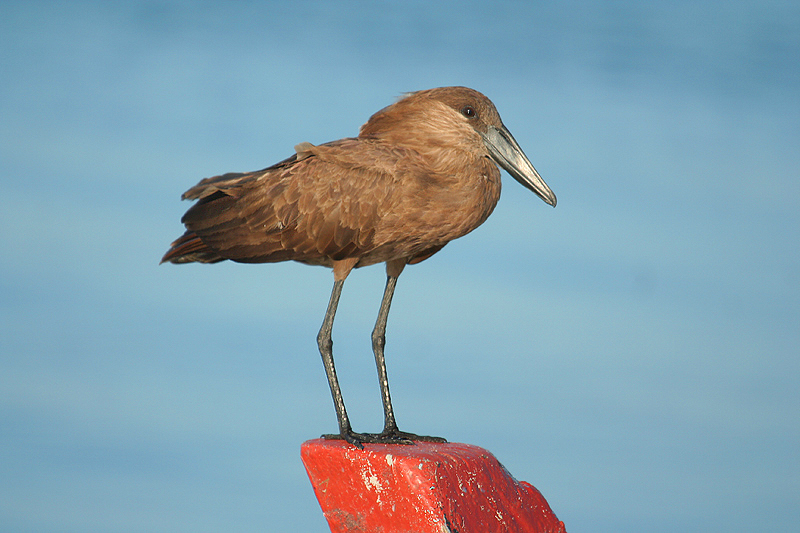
{"points": [[422, 172]]}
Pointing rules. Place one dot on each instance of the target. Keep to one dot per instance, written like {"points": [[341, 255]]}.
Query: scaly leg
{"points": [[325, 343], [390, 433]]}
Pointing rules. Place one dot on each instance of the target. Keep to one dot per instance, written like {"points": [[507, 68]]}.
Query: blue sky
{"points": [[632, 353]]}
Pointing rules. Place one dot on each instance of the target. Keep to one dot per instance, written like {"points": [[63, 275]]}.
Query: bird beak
{"points": [[506, 152]]}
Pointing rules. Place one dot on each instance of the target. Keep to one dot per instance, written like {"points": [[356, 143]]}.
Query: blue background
{"points": [[633, 353]]}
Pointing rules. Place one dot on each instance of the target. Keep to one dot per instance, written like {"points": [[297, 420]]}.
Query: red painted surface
{"points": [[422, 488]]}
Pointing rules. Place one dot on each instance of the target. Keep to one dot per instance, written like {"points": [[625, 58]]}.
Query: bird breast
{"points": [[433, 203]]}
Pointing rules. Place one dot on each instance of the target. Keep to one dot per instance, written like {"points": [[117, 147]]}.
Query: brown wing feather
{"points": [[190, 249], [308, 209], [230, 181]]}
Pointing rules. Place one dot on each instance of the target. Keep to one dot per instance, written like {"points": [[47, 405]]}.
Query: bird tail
{"points": [[189, 248]]}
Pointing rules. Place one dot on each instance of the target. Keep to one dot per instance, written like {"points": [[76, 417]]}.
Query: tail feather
{"points": [[189, 248]]}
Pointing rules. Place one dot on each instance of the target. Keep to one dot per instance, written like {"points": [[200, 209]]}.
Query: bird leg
{"points": [[325, 343], [390, 433]]}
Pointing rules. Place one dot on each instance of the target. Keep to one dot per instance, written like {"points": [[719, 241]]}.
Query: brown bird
{"points": [[422, 172]]}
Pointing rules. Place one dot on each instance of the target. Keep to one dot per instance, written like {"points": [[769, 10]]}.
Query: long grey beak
{"points": [[506, 152]]}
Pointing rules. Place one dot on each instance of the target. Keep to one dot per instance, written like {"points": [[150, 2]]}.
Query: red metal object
{"points": [[422, 488]]}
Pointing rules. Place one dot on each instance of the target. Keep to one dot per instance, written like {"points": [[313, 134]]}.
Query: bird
{"points": [[421, 172]]}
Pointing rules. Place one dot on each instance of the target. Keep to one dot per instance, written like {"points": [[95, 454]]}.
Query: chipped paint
{"points": [[425, 488]]}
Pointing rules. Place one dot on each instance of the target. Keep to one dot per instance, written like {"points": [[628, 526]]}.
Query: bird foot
{"points": [[392, 436], [350, 437]]}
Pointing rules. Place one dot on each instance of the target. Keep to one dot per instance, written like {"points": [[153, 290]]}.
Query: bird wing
{"points": [[318, 206]]}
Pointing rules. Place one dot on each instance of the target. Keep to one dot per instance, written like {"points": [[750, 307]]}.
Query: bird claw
{"points": [[392, 436], [350, 437], [402, 437]]}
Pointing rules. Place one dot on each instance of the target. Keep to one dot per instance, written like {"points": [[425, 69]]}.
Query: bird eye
{"points": [[468, 111]]}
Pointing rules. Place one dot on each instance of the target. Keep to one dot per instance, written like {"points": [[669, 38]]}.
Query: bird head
{"points": [[467, 107]]}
